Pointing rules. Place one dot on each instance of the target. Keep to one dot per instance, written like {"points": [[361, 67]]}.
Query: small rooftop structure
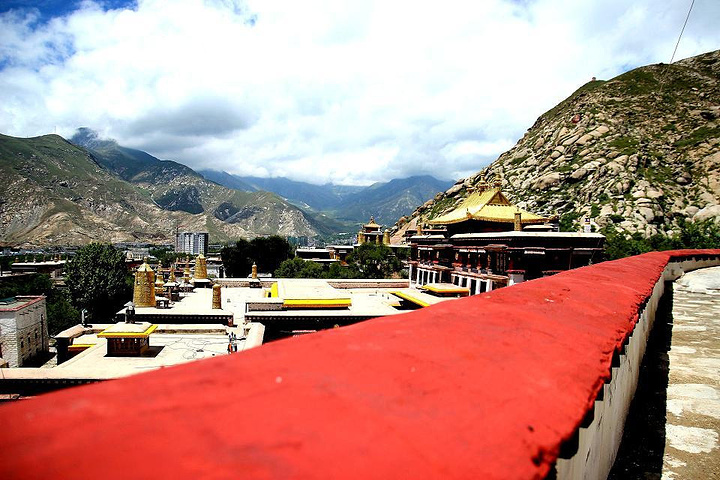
{"points": [[128, 339]]}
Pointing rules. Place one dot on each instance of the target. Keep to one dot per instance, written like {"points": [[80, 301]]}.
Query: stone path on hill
{"points": [[692, 429]]}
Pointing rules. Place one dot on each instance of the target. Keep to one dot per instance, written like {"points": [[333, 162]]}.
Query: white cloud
{"points": [[325, 90]]}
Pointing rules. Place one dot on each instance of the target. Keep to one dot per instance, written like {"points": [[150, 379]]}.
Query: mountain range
{"points": [[65, 193], [91, 189], [385, 201], [639, 153]]}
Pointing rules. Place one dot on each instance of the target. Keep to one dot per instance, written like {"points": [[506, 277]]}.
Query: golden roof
{"points": [[489, 205], [372, 223]]}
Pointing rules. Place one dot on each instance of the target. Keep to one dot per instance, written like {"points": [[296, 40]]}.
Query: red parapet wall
{"points": [[488, 386]]}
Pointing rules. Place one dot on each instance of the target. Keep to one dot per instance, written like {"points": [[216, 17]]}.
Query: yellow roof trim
{"points": [[81, 345], [410, 298], [144, 334], [317, 303], [431, 288]]}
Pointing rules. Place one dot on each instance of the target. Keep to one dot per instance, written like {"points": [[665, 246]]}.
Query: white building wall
{"points": [[192, 243], [24, 333]]}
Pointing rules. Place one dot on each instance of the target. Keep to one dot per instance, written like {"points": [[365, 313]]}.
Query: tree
{"points": [[267, 252], [166, 256], [98, 280], [299, 268], [61, 314], [338, 271], [236, 259], [5, 263], [374, 261]]}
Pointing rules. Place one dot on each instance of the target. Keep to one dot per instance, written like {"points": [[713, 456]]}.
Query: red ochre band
{"points": [[482, 387]]}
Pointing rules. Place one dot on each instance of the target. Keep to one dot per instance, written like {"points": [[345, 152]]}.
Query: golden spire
{"points": [[144, 288], [172, 273], [159, 282], [200, 267], [216, 297]]}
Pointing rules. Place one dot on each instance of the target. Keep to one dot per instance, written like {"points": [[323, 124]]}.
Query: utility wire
{"points": [[664, 70], [681, 31]]}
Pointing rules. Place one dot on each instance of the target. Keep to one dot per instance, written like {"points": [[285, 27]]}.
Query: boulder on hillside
{"points": [[547, 181]]}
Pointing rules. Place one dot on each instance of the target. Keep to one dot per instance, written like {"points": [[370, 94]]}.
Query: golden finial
{"points": [[497, 181]]}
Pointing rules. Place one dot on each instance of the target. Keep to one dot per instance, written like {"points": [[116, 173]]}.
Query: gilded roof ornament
{"points": [[497, 181]]}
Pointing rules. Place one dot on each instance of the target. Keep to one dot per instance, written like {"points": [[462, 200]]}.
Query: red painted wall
{"points": [[482, 387]]}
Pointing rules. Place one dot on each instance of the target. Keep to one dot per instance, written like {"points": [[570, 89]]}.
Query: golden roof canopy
{"points": [[488, 205]]}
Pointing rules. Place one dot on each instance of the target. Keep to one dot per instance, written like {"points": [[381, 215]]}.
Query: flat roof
{"points": [[170, 345], [311, 293], [13, 304], [199, 302], [365, 302]]}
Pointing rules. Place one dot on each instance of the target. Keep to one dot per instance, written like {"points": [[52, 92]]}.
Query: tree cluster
{"points": [[689, 235], [266, 252], [99, 281], [166, 256], [367, 261]]}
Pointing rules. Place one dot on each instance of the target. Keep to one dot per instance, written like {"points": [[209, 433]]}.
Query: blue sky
{"points": [[50, 9], [322, 90]]}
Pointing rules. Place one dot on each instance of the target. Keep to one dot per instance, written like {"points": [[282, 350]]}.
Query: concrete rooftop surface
{"points": [[692, 430]]}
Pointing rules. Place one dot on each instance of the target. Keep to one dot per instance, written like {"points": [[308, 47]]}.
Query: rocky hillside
{"points": [[640, 152], [55, 192]]}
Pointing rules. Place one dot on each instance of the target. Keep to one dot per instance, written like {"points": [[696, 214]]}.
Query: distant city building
{"points": [[137, 253], [193, 243], [23, 329], [54, 268]]}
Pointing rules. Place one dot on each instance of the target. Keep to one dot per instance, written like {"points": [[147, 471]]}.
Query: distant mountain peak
{"points": [[88, 138]]}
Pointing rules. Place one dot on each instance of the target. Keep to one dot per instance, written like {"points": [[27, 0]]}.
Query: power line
{"points": [[681, 31]]}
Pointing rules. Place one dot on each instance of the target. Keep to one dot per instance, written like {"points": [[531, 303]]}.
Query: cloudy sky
{"points": [[323, 90]]}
